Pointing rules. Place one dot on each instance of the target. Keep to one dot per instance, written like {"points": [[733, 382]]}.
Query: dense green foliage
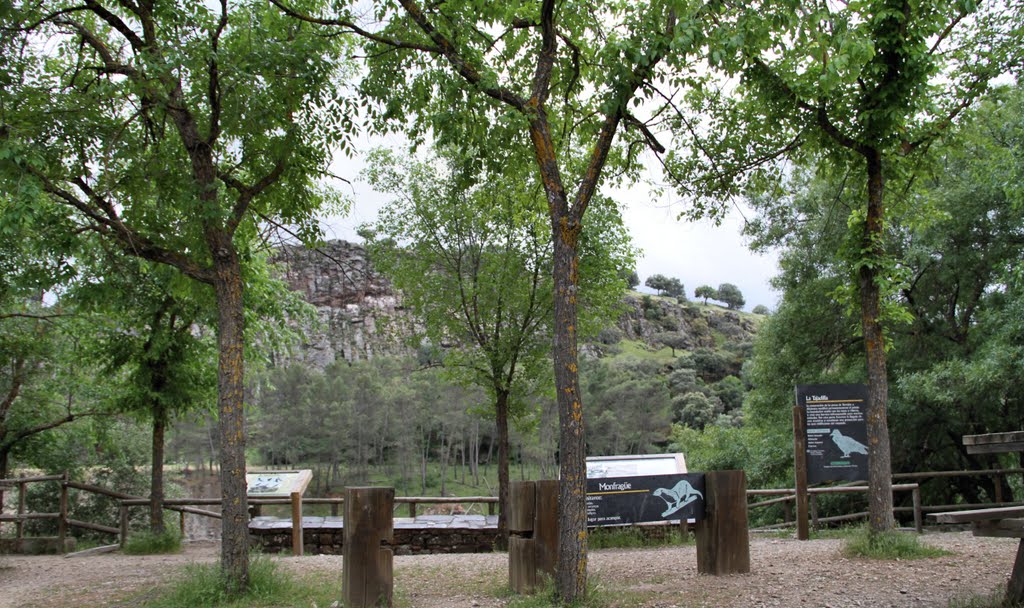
{"points": [[954, 357]]}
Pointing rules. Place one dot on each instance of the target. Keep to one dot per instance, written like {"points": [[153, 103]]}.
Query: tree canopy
{"points": [[174, 131]]}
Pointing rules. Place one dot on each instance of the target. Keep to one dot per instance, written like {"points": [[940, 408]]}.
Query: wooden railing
{"points": [[784, 496], [787, 497]]}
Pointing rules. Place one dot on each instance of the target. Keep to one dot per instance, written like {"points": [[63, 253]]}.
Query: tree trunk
{"points": [[234, 551], [501, 428], [156, 479], [572, 448], [880, 515]]}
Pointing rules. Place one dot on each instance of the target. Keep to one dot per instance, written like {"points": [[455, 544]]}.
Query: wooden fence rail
{"points": [[784, 496]]}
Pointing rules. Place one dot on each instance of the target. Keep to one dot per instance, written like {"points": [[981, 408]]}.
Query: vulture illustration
{"points": [[848, 445], [678, 497]]}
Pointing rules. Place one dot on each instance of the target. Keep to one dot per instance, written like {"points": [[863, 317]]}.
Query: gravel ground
{"points": [[784, 573]]}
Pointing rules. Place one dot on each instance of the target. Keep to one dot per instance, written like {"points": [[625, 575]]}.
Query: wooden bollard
{"points": [[533, 533], [367, 566], [723, 540]]}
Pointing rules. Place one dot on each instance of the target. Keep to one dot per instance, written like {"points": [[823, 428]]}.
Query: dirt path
{"points": [[784, 573]]}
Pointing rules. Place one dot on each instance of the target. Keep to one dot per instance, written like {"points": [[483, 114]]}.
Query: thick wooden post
{"points": [[367, 566], [1015, 586], [723, 540], [62, 522], [297, 523], [800, 468], [181, 523], [522, 566], [533, 533]]}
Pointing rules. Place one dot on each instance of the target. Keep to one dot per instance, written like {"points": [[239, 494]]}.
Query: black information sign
{"points": [[837, 434], [625, 500]]}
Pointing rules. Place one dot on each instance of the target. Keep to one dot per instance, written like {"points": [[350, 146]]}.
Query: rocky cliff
{"points": [[361, 317]]}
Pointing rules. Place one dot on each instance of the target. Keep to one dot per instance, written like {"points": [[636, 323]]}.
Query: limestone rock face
{"points": [[360, 316]]}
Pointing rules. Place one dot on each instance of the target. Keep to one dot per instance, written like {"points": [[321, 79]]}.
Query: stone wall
{"points": [[425, 535]]}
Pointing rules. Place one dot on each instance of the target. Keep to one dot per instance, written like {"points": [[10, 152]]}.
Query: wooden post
{"points": [[1015, 586], [723, 539], [412, 510], [181, 523], [297, 523], [334, 509], [522, 566], [787, 512], [545, 527], [367, 566], [22, 508], [800, 468], [812, 499], [62, 522], [918, 518], [124, 524]]}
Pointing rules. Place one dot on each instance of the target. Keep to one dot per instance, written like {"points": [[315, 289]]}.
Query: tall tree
{"points": [[553, 82], [471, 256], [871, 85], [172, 130], [960, 289]]}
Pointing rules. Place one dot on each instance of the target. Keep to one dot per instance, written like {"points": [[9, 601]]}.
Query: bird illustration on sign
{"points": [[678, 497], [848, 445]]}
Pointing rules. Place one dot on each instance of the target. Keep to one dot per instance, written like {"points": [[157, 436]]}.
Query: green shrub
{"points": [[889, 545], [147, 543]]}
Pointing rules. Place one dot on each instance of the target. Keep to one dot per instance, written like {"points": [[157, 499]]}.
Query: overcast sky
{"points": [[697, 253]]}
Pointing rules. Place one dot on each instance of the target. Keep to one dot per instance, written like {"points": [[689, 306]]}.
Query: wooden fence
{"points": [[784, 496]]}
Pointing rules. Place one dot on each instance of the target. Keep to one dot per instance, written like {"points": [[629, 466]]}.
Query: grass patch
{"points": [[996, 599], [147, 543], [636, 537], [889, 545], [204, 586], [597, 596]]}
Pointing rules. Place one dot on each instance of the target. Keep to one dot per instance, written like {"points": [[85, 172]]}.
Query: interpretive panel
{"points": [[276, 484], [837, 436], [628, 500]]}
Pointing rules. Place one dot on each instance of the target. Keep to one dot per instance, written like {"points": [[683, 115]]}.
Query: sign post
{"points": [[800, 469], [829, 439]]}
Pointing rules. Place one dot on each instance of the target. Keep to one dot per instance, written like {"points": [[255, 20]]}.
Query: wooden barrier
{"points": [[533, 533], [367, 566], [723, 541]]}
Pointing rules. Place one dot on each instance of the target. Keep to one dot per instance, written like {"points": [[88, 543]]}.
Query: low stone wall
{"points": [[412, 536]]}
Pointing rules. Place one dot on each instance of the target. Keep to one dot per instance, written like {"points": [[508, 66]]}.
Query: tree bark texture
{"points": [[230, 407], [880, 515], [572, 495], [501, 422]]}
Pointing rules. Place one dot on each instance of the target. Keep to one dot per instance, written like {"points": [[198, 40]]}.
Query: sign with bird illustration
{"points": [[836, 428], [627, 500]]}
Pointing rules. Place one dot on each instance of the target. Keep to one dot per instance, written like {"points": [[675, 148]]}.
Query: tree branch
{"points": [[355, 29], [213, 93]]}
